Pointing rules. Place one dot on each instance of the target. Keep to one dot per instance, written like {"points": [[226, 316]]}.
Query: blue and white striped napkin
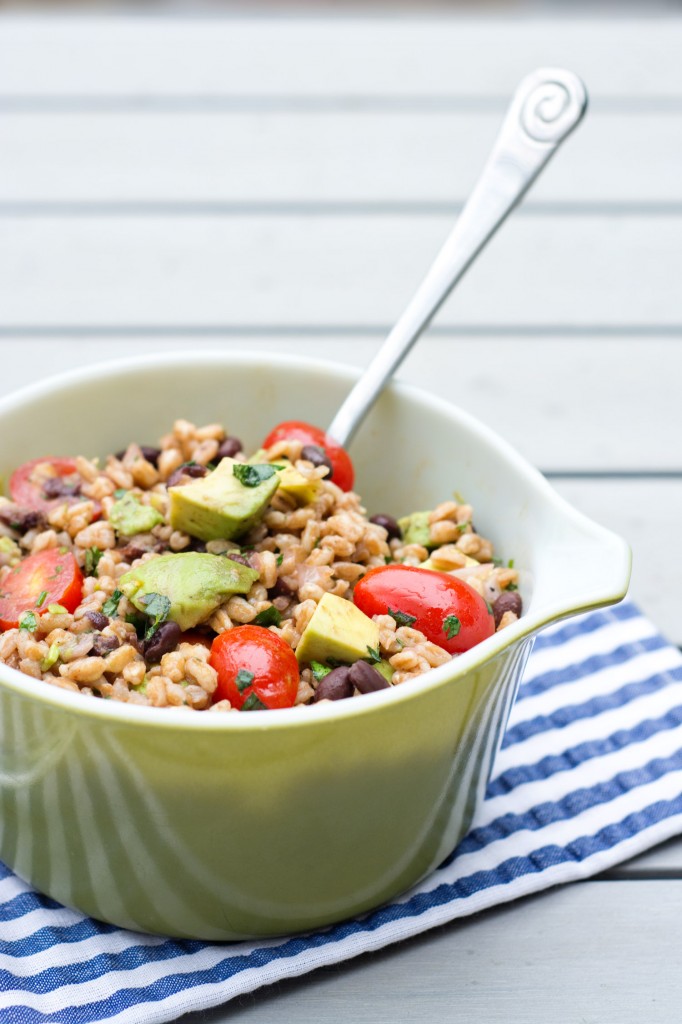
{"points": [[590, 774]]}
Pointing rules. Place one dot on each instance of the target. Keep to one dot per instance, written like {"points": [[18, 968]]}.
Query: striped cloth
{"points": [[590, 774]]}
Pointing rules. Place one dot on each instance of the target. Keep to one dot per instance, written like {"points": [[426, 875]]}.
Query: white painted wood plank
{"points": [[581, 403], [332, 270], [594, 953], [664, 861], [351, 56], [311, 157], [648, 514]]}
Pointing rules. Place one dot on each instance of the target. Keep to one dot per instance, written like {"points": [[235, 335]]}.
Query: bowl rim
{"points": [[309, 715]]}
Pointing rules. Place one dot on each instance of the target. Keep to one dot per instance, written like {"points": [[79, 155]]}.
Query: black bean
{"points": [[365, 678], [98, 620], [318, 456], [196, 545], [21, 519], [280, 589], [104, 645], [163, 640], [508, 601], [235, 556], [230, 447], [389, 524], [336, 685], [56, 487], [194, 470], [131, 551], [151, 454]]}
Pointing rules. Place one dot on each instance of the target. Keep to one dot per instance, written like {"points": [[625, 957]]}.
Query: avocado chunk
{"points": [[338, 631], [220, 505], [291, 482], [129, 516], [385, 668], [415, 529], [195, 584]]}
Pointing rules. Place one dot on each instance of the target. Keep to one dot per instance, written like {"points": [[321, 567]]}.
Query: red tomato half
{"points": [[255, 667], [52, 574], [343, 473], [446, 609], [27, 482]]}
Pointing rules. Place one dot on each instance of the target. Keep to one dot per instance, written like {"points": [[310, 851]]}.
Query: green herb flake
{"points": [[510, 563], [243, 679], [252, 703], [497, 562], [252, 476], [119, 493], [462, 526], [459, 498], [374, 653], [110, 606], [402, 618], [489, 607], [51, 658], [92, 557], [451, 626], [57, 570], [139, 622], [279, 559], [268, 617], [57, 609], [388, 559], [28, 621], [512, 587], [319, 671], [157, 607], [41, 598]]}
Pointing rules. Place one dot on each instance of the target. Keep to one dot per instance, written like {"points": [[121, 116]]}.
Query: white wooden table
{"points": [[283, 184]]}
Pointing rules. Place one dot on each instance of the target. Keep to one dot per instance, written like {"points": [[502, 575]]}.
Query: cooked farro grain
{"points": [[309, 546]]}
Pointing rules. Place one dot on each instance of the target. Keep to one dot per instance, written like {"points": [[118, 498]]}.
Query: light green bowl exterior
{"points": [[235, 826]]}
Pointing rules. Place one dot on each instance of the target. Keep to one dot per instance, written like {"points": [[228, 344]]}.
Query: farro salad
{"points": [[191, 575]]}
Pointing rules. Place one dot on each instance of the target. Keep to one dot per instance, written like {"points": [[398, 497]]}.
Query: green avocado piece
{"points": [[338, 631], [195, 584], [129, 516], [415, 529], [11, 549], [219, 505], [385, 668]]}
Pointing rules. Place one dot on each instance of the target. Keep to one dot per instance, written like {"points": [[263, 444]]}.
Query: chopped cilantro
{"points": [[110, 606], [41, 598], [252, 703], [374, 653], [92, 557], [252, 476], [402, 618], [28, 621], [319, 670], [462, 526], [280, 558], [157, 607], [268, 617], [512, 587], [50, 659], [139, 622], [388, 559], [243, 679], [496, 562], [451, 626], [510, 563]]}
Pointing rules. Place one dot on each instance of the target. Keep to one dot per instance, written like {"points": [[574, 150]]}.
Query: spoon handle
{"points": [[546, 107]]}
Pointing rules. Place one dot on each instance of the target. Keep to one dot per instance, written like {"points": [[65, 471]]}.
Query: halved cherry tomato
{"points": [[27, 483], [51, 577], [446, 610], [342, 474], [255, 668]]}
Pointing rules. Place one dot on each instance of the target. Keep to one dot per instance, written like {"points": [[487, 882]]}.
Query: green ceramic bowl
{"points": [[223, 827]]}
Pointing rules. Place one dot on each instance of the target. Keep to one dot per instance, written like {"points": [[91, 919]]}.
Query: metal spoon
{"points": [[546, 107]]}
